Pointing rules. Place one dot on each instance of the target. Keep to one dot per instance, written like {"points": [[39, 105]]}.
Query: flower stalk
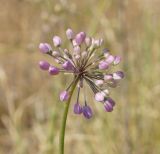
{"points": [[64, 119]]}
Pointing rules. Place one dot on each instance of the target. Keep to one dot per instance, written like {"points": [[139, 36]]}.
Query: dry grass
{"points": [[30, 113]]}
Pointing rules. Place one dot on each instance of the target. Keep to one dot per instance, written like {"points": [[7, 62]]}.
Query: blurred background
{"points": [[30, 113]]}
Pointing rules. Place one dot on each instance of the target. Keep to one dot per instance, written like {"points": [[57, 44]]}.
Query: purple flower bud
{"points": [[108, 77], [108, 107], [80, 37], [53, 70], [110, 59], [64, 96], [57, 41], [69, 34], [111, 101], [44, 65], [88, 41], [77, 108], [45, 47], [103, 65], [100, 96], [67, 65], [117, 60], [109, 104], [118, 75], [87, 112]]}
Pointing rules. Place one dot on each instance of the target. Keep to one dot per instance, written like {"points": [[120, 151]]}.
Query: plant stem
{"points": [[64, 119]]}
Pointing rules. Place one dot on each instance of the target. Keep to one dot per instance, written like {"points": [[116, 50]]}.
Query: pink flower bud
{"points": [[100, 96], [64, 96], [99, 82], [77, 50], [57, 41], [74, 43], [110, 59], [108, 77], [118, 75], [103, 65], [69, 34]]}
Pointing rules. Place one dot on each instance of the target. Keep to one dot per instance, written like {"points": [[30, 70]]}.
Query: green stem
{"points": [[64, 119]]}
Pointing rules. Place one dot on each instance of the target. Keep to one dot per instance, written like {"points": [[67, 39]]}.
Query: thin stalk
{"points": [[64, 119]]}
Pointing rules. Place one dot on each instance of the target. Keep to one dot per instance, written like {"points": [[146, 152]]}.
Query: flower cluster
{"points": [[88, 63]]}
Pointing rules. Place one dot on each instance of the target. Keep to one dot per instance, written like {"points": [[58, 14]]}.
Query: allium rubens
{"points": [[88, 63]]}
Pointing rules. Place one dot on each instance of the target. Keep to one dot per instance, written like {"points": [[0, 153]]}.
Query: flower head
{"points": [[88, 64]]}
